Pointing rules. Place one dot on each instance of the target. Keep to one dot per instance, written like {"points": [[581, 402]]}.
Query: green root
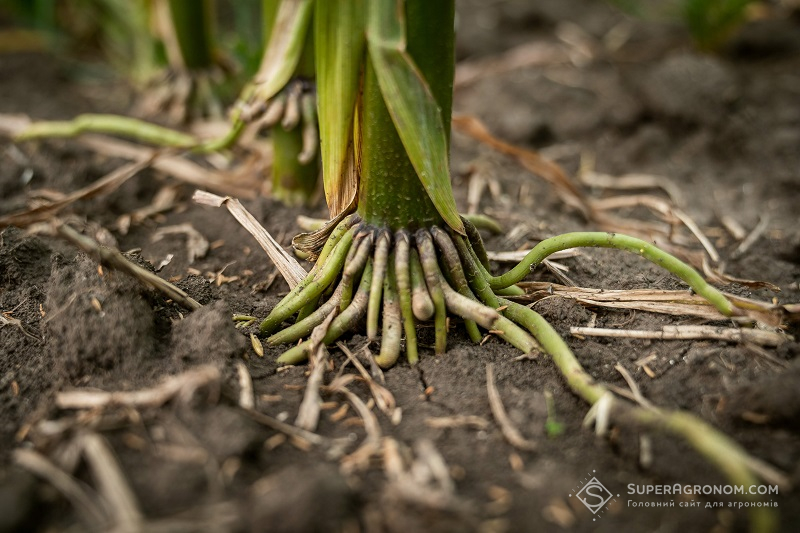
{"points": [[112, 125], [378, 275], [311, 287], [621, 242], [405, 280], [484, 222], [402, 274]]}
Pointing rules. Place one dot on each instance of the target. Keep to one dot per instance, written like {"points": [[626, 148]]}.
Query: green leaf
{"points": [[553, 428], [285, 46], [413, 108], [339, 49]]}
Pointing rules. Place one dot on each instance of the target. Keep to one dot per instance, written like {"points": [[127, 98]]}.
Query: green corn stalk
{"points": [[390, 144], [293, 182], [405, 117], [192, 28], [294, 179]]}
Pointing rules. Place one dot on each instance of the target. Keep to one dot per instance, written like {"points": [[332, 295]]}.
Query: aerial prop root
{"points": [[406, 278]]}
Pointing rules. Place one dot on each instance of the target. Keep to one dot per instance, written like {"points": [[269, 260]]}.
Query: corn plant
{"points": [[397, 253]]}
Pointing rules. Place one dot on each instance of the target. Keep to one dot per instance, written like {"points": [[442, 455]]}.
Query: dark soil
{"points": [[725, 128]]}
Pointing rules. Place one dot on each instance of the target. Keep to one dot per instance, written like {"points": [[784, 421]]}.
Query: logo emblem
{"points": [[594, 495]]}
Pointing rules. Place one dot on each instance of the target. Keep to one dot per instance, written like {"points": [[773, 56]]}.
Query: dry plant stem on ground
{"points": [[115, 259], [678, 303]]}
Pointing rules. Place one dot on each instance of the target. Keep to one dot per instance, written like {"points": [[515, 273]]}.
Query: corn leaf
{"points": [[339, 50], [285, 46], [413, 108]]}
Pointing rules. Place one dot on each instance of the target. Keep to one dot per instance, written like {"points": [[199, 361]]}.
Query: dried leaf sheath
{"points": [[339, 40]]}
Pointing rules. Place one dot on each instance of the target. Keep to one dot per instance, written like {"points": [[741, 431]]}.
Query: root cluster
{"points": [[405, 278], [294, 106]]}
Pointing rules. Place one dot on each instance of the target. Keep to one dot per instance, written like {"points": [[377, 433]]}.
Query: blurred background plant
{"points": [[710, 23], [143, 39], [187, 60]]}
